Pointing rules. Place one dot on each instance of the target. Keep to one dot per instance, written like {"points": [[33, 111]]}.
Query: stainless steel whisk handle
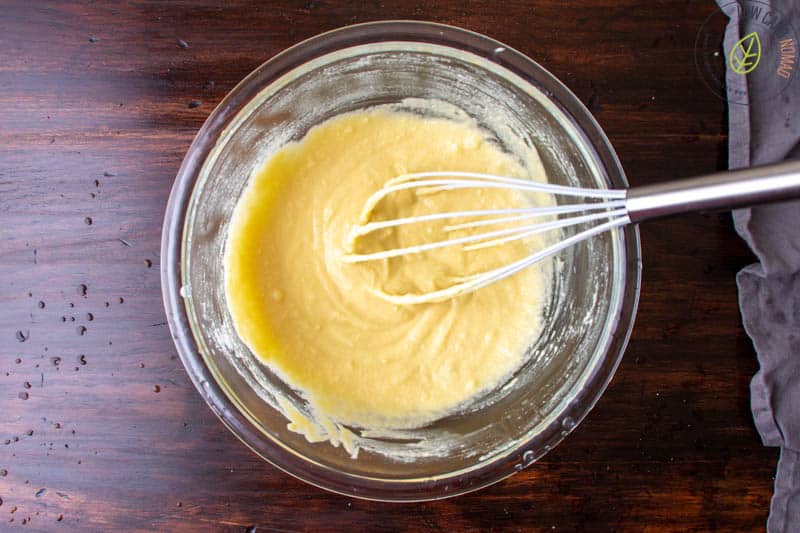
{"points": [[722, 190]]}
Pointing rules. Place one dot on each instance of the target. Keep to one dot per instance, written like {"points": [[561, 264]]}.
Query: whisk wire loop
{"points": [[597, 205]]}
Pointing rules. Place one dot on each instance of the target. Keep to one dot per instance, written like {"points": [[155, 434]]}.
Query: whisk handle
{"points": [[723, 190]]}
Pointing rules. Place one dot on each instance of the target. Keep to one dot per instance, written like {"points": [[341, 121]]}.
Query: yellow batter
{"points": [[316, 319]]}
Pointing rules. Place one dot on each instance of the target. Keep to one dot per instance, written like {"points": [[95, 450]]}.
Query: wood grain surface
{"points": [[100, 428]]}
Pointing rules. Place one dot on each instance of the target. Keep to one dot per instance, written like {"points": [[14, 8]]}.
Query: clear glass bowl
{"points": [[586, 325]]}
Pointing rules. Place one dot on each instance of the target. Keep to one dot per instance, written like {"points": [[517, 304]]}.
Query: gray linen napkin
{"points": [[765, 129]]}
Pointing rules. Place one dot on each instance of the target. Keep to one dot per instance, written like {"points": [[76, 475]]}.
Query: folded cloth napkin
{"points": [[765, 129]]}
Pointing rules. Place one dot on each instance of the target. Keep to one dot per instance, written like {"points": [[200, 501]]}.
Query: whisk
{"points": [[601, 209]]}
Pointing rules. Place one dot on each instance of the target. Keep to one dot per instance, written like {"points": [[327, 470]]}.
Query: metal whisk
{"points": [[606, 210]]}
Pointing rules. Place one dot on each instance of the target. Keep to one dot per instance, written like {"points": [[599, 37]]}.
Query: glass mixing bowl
{"points": [[586, 325]]}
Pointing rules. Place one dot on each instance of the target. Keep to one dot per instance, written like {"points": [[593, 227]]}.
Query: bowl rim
{"points": [[505, 464]]}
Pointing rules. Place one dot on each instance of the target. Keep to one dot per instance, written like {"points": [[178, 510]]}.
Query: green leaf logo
{"points": [[746, 54]]}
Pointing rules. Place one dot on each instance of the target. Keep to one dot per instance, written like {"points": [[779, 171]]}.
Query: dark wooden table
{"points": [[100, 427]]}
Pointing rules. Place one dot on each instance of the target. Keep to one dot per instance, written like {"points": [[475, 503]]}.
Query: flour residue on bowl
{"points": [[365, 366]]}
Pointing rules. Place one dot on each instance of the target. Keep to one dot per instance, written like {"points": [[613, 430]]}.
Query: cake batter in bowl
{"points": [[435, 73]]}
